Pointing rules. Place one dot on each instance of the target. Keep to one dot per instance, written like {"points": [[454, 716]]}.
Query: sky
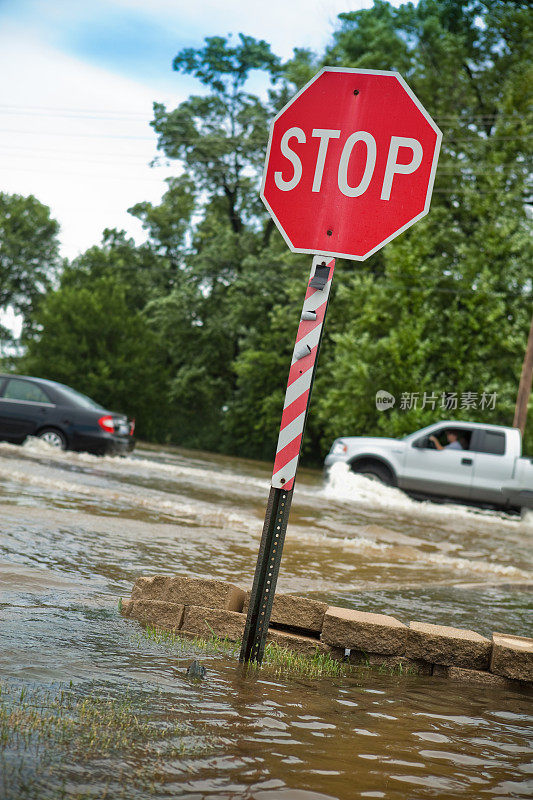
{"points": [[77, 83]]}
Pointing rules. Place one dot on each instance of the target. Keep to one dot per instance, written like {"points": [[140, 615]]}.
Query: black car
{"points": [[60, 416]]}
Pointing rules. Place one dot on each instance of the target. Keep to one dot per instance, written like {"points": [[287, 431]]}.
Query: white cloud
{"points": [[77, 137], [285, 25], [11, 321]]}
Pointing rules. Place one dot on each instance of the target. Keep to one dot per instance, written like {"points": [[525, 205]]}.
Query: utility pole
{"points": [[524, 388]]}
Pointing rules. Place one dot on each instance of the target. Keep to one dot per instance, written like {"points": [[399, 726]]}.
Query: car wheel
{"points": [[374, 472], [54, 438]]}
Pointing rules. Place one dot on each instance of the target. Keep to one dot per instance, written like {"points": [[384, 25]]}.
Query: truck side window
{"points": [[491, 442]]}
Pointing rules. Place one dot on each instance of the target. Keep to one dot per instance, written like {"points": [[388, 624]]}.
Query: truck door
{"points": [[444, 473], [493, 467]]}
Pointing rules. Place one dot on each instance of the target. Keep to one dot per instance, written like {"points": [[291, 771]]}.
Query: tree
{"points": [[143, 273], [219, 137], [90, 335], [214, 295], [29, 252], [445, 307], [229, 264]]}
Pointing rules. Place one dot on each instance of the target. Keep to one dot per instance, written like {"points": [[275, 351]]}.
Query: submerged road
{"points": [[77, 530]]}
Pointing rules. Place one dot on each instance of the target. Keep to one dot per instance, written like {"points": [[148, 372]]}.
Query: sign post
{"points": [[350, 164], [297, 397]]}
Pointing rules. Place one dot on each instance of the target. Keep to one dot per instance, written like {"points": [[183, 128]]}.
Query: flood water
{"points": [[77, 530]]}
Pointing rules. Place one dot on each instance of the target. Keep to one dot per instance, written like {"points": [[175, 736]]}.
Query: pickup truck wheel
{"points": [[374, 472]]}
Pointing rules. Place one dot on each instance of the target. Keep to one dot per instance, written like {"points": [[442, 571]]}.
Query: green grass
{"points": [[400, 668], [285, 662], [397, 669], [213, 645], [279, 660], [44, 734]]}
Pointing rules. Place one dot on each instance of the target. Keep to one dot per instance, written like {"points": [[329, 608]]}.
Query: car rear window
{"points": [[26, 391], [79, 399]]}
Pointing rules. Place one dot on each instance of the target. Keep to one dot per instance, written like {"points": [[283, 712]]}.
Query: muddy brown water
{"points": [[77, 530]]}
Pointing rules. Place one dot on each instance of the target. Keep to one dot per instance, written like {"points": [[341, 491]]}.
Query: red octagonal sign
{"points": [[350, 164]]}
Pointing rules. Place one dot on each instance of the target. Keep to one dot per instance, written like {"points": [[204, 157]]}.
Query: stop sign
{"points": [[350, 163]]}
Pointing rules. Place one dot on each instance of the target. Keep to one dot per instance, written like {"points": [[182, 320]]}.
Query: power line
{"points": [[54, 111], [80, 135], [100, 177], [74, 112], [106, 158], [153, 137]]}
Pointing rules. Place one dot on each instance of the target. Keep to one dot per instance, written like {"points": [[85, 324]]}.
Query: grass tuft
{"points": [[43, 734], [213, 644], [279, 660], [285, 662]]}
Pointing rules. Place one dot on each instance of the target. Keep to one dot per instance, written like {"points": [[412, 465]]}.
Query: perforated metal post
{"points": [[301, 378], [266, 575]]}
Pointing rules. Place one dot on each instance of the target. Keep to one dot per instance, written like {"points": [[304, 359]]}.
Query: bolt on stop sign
{"points": [[350, 163]]}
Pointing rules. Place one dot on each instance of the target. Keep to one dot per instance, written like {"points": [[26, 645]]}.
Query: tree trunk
{"points": [[234, 218], [524, 388]]}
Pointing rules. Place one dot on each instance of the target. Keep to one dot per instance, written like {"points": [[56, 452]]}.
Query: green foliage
{"points": [[297, 72], [285, 662], [196, 327], [91, 338], [188, 645], [56, 738], [219, 138], [168, 225], [29, 251], [448, 308], [224, 68], [278, 660], [369, 40]]}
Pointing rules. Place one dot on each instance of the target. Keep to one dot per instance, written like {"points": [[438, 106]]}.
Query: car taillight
{"points": [[107, 424], [132, 426]]}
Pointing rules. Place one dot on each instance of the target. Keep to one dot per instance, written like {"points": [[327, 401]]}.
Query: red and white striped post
{"points": [[295, 409], [310, 193]]}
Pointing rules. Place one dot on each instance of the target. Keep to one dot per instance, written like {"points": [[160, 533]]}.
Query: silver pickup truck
{"points": [[466, 461]]}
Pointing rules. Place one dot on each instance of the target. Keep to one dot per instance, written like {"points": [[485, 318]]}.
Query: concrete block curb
{"points": [[399, 664], [359, 630], [205, 622], [126, 607], [202, 607], [155, 612], [475, 676], [304, 645], [292, 611], [512, 656], [189, 591], [448, 646]]}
